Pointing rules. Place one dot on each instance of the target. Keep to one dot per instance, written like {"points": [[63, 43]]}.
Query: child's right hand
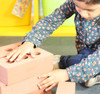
{"points": [[18, 53]]}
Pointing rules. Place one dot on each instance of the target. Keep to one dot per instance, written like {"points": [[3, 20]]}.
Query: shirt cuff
{"points": [[36, 42], [75, 73]]}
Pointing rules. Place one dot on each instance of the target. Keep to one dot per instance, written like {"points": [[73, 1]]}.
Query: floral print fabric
{"points": [[88, 36]]}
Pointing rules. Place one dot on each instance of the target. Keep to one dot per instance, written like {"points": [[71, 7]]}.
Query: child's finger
{"points": [[21, 55], [10, 54], [48, 84], [45, 75], [14, 56], [46, 81], [32, 54], [52, 86]]}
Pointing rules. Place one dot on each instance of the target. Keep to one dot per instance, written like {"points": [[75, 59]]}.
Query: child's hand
{"points": [[18, 53], [53, 78]]}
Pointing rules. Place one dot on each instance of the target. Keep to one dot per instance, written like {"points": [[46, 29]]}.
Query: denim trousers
{"points": [[66, 61]]}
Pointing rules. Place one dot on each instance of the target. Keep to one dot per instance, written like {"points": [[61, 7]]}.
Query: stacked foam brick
{"points": [[66, 88], [22, 77]]}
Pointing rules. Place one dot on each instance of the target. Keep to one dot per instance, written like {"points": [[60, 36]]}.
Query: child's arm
{"points": [[44, 28], [53, 78], [86, 69]]}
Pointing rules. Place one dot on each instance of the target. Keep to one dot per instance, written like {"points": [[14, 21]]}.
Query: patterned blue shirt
{"points": [[88, 36]]}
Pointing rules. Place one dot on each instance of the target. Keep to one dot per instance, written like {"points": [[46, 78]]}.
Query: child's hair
{"points": [[91, 1]]}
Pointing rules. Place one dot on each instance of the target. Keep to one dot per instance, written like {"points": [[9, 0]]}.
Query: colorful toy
{"points": [[12, 25]]}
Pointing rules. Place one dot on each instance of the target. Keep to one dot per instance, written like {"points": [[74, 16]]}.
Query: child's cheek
{"points": [[78, 10], [85, 14]]}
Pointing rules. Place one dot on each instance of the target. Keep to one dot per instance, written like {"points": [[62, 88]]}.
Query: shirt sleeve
{"points": [[86, 69], [45, 27]]}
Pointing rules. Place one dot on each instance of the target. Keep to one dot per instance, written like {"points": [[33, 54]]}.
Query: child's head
{"points": [[88, 8], [90, 1]]}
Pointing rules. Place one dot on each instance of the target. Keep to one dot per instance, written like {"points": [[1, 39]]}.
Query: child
{"points": [[78, 68]]}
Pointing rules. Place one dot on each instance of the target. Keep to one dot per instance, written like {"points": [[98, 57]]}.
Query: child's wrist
{"points": [[66, 73], [29, 43]]}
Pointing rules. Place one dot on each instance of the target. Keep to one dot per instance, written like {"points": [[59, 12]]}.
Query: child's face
{"points": [[87, 11]]}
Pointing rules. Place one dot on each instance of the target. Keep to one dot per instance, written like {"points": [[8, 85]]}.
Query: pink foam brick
{"points": [[66, 88], [11, 73], [28, 86], [6, 49]]}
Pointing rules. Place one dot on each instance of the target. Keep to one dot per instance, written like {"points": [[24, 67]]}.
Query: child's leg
{"points": [[66, 61]]}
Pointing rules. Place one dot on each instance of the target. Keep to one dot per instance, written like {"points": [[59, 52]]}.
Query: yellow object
{"points": [[11, 25], [36, 11], [64, 31], [15, 31]]}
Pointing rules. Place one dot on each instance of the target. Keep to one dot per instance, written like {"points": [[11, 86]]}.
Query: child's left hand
{"points": [[53, 78]]}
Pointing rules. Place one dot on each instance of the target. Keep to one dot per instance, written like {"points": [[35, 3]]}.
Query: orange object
{"points": [[28, 86], [66, 88], [11, 73]]}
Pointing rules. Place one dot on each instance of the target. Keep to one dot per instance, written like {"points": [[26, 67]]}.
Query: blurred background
{"points": [[17, 18]]}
